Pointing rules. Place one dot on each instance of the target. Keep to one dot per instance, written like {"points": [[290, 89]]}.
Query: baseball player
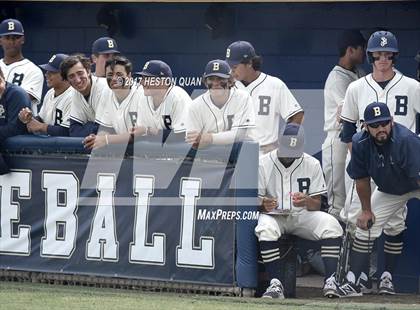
{"points": [[271, 97], [16, 68], [120, 105], [400, 93], [223, 114], [351, 48], [163, 105], [12, 99], [386, 152], [86, 100], [103, 49], [53, 119], [290, 185]]}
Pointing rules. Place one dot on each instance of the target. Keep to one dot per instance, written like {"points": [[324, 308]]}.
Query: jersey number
{"points": [[167, 121], [304, 184], [401, 103], [264, 108], [17, 79]]}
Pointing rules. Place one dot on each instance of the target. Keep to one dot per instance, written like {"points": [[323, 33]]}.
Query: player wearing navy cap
{"points": [[87, 97], [386, 152], [103, 49], [290, 185], [223, 114], [16, 68], [271, 97], [163, 105], [54, 117]]}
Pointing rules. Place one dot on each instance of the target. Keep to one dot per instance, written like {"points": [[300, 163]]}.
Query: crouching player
{"points": [[290, 185]]}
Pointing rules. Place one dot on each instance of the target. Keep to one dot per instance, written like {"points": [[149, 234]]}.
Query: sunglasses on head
{"points": [[382, 124]]}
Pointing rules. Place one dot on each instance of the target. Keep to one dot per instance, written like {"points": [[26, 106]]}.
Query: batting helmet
{"points": [[381, 41]]}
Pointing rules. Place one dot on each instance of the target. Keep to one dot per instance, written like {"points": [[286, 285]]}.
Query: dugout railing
{"points": [[104, 240]]}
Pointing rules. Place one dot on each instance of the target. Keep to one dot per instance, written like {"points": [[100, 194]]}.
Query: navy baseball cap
{"points": [[105, 45], [11, 27], [376, 112], [54, 63], [218, 68], [239, 51], [291, 141], [156, 68]]}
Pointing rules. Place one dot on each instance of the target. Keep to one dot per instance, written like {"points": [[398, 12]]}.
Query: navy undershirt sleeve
{"points": [[82, 130], [347, 132], [57, 130]]}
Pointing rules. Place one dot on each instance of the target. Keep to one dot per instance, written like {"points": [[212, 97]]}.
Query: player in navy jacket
{"points": [[387, 152]]}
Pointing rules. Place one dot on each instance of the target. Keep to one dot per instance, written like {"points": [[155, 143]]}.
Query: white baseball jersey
{"points": [[55, 110], [334, 91], [275, 180], [401, 95], [121, 116], [333, 150], [82, 110], [237, 112], [25, 74], [170, 114], [272, 100]]}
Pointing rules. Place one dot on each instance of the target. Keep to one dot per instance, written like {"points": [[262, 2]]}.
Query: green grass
{"points": [[42, 296]]}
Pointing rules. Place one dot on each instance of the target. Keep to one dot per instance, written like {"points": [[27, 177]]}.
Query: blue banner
{"points": [[144, 218]]}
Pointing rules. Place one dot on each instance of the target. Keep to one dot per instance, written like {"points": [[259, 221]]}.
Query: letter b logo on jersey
{"points": [[401, 105], [110, 43], [304, 184], [216, 66], [264, 108], [10, 26], [376, 111]]}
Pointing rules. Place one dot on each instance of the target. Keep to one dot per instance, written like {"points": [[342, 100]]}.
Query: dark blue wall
{"points": [[296, 40]]}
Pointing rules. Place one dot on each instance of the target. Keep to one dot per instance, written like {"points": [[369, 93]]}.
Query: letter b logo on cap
{"points": [[293, 142], [110, 44], [228, 53], [11, 26], [377, 111], [216, 66]]}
